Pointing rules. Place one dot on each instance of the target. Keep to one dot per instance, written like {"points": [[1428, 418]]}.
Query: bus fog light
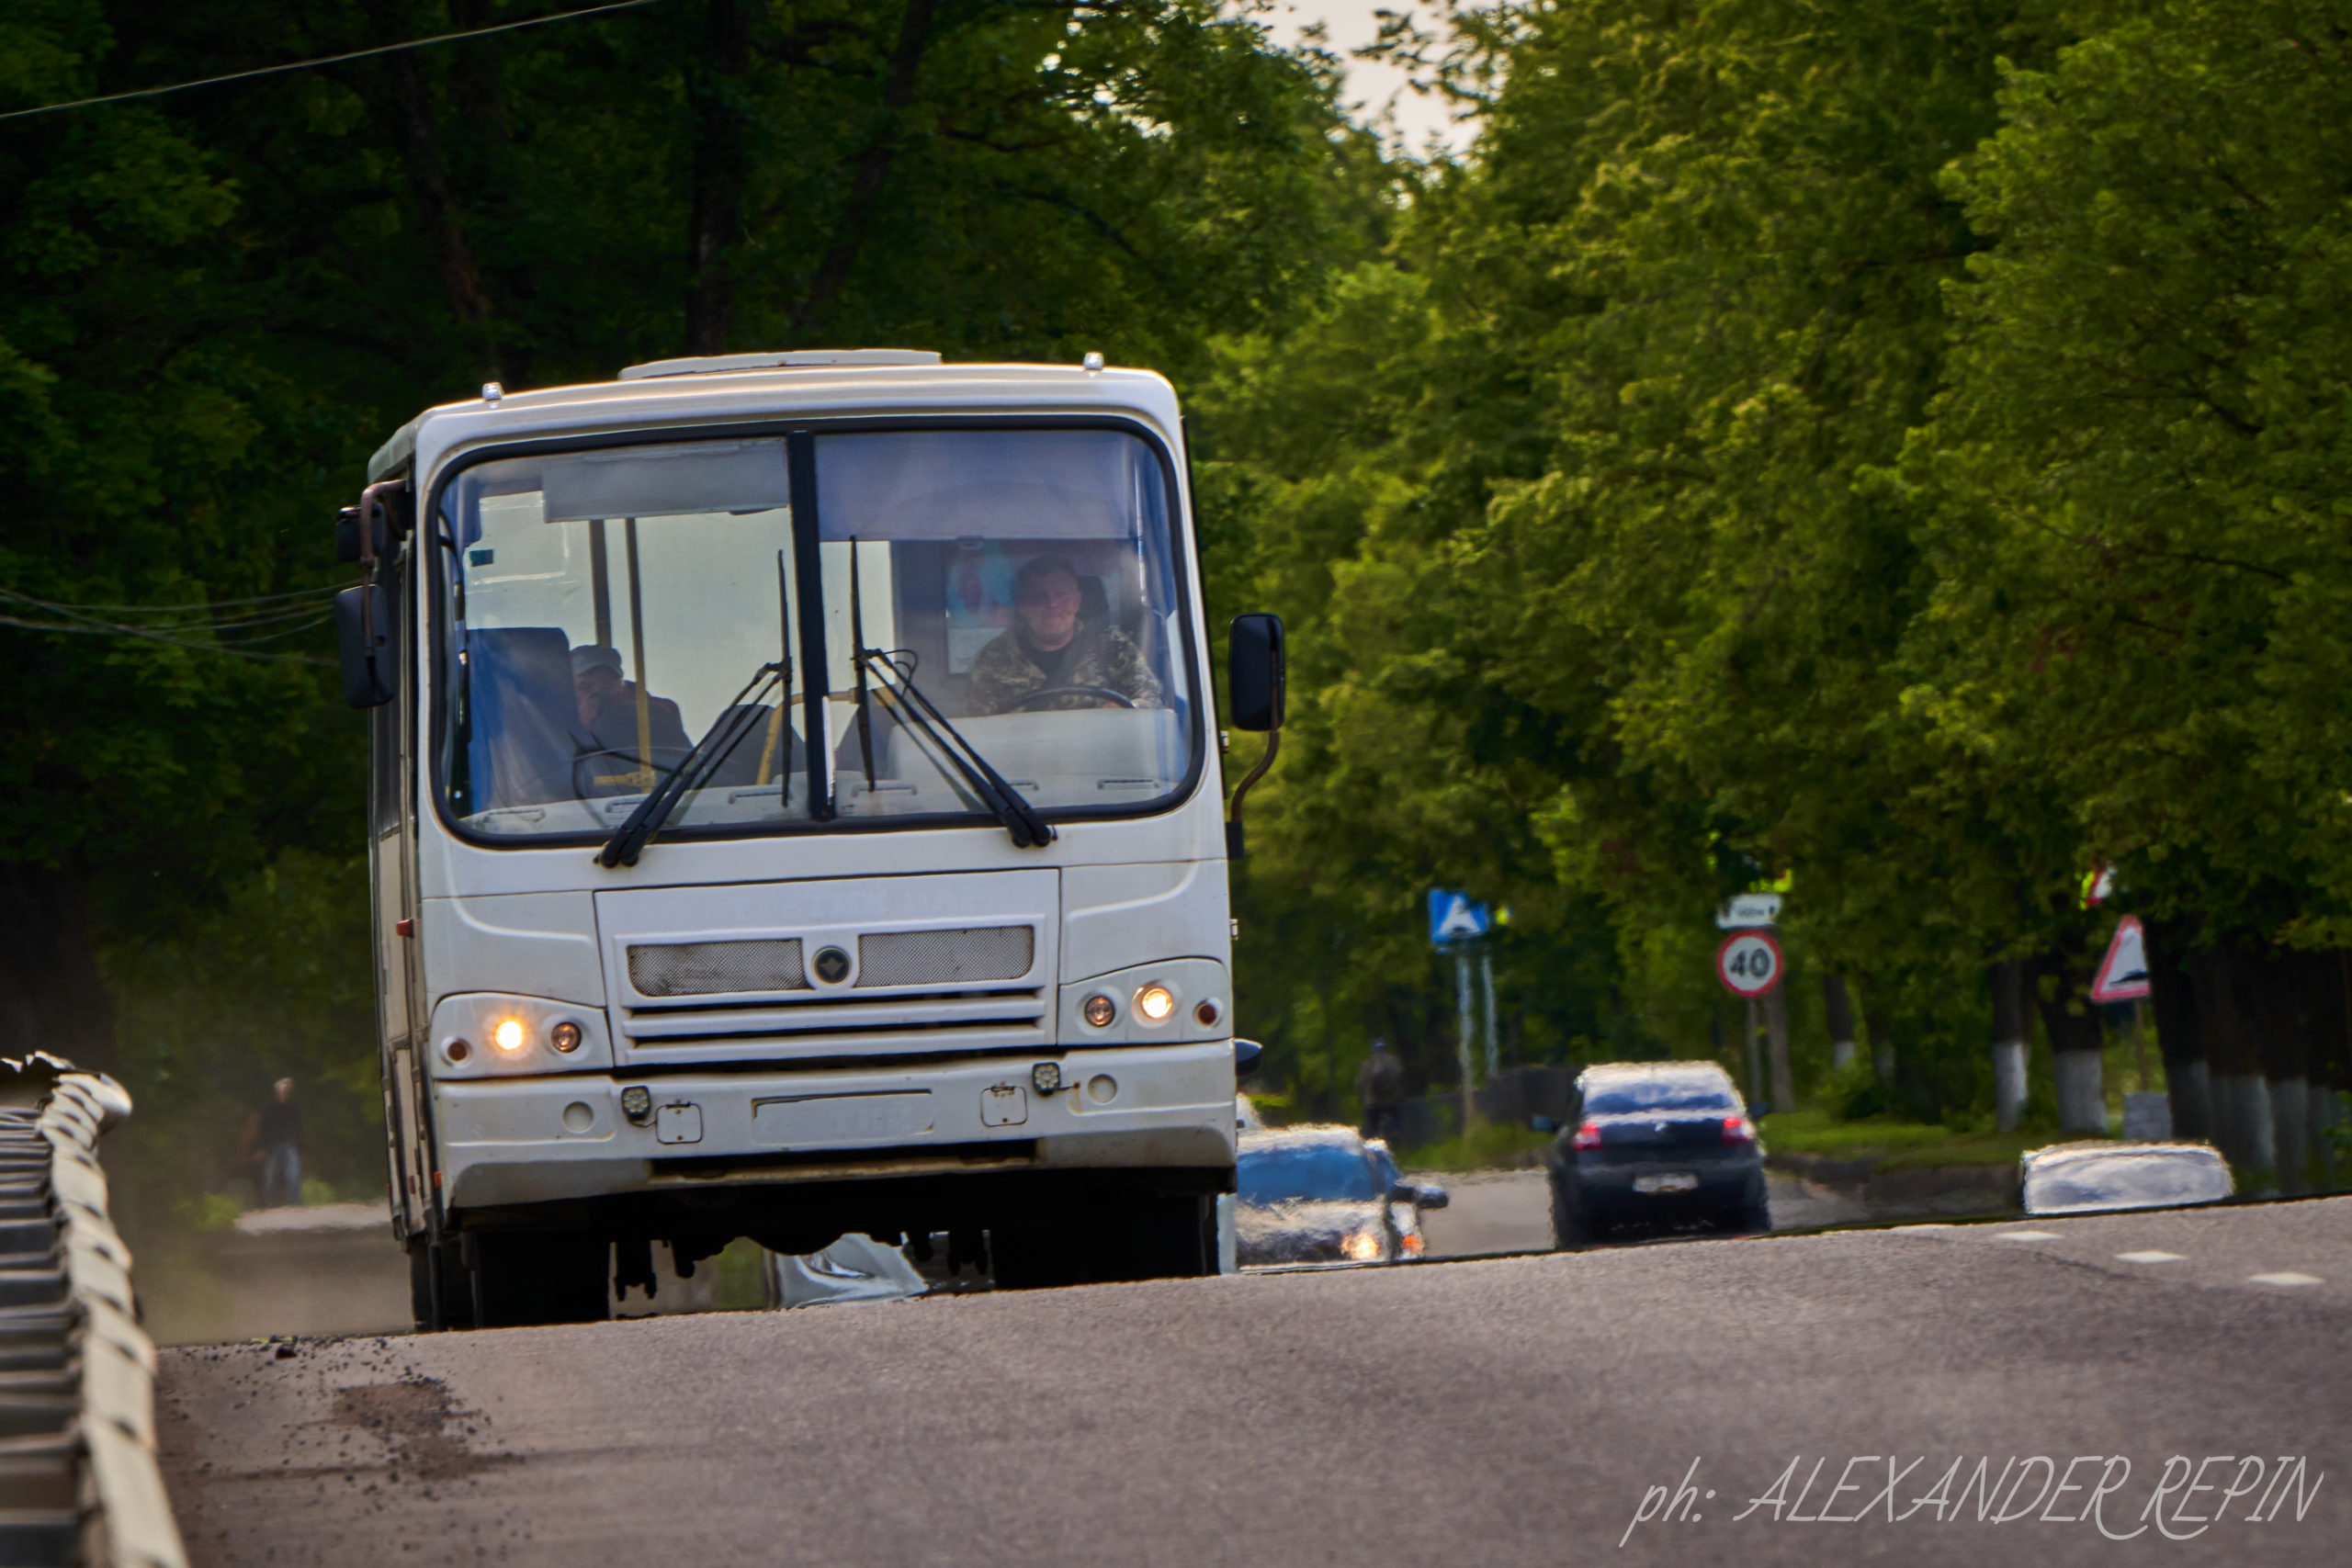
{"points": [[1047, 1076], [637, 1103], [1155, 1002], [565, 1037], [1100, 1011], [1102, 1088], [508, 1035]]}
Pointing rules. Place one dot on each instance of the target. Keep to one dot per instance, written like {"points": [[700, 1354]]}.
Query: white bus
{"points": [[797, 811]]}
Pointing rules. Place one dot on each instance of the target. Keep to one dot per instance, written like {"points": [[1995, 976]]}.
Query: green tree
{"points": [[218, 300]]}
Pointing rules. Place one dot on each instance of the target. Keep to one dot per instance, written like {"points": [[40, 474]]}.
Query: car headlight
{"points": [[1362, 1246]]}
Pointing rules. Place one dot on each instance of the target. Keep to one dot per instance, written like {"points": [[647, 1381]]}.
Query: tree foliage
{"points": [[217, 301], [1891, 451]]}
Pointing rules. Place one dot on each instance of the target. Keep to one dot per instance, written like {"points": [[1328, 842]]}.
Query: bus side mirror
{"points": [[363, 629], [1254, 672], [1246, 1054], [385, 507], [1254, 680]]}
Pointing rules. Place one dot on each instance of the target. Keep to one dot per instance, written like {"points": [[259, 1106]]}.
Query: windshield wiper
{"points": [[693, 771], [918, 712]]}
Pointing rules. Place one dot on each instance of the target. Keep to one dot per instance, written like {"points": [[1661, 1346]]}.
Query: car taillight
{"points": [[1587, 1137], [1738, 1130]]}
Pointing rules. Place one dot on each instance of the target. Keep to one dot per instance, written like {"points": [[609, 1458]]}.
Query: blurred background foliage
{"points": [[1891, 449]]}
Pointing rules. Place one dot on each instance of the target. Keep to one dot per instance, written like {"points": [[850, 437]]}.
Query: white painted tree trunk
{"points": [[2289, 1123], [2082, 1099], [2009, 1044], [2008, 1084]]}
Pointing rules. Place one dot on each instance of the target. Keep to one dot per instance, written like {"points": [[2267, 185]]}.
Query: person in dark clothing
{"points": [[608, 709], [278, 1147], [1380, 1084], [1050, 646]]}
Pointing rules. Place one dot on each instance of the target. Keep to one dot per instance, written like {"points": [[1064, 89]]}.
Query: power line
{"points": [[99, 629], [333, 59], [289, 620], [179, 609]]}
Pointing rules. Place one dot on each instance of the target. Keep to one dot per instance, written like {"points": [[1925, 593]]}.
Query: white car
{"points": [[2095, 1178]]}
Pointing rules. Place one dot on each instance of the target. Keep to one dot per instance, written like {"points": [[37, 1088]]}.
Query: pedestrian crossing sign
{"points": [[1454, 919]]}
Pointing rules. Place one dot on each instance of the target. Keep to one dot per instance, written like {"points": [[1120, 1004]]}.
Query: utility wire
{"points": [[272, 612], [100, 629], [333, 58], [276, 621], [318, 593]]}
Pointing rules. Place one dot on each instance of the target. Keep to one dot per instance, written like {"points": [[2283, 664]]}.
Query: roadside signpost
{"points": [[2123, 977], [1454, 919], [1749, 910], [1748, 962], [1457, 924], [2123, 973]]}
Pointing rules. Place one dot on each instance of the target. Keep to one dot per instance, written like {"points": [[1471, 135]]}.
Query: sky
{"points": [[1352, 25]]}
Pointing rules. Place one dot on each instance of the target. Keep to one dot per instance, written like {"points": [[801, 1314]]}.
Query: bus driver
{"points": [[1050, 646]]}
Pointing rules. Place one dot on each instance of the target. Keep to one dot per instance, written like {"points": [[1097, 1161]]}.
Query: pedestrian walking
{"points": [[277, 1147], [1380, 1085]]}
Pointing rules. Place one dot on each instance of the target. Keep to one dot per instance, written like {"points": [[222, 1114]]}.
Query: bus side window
{"points": [[385, 753]]}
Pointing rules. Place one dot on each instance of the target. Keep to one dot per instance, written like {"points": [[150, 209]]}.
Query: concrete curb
{"points": [[85, 1490]]}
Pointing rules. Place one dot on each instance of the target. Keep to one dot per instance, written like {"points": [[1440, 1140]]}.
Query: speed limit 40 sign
{"points": [[1748, 962]]}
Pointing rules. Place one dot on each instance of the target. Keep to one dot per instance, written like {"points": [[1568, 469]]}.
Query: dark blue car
{"points": [[1650, 1144]]}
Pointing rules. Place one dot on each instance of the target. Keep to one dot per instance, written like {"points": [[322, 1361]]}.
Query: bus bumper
{"points": [[538, 1140]]}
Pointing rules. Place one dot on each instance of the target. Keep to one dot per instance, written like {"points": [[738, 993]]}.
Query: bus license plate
{"points": [[1672, 1181]]}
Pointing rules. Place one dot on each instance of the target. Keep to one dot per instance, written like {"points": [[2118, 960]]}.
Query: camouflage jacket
{"points": [[1004, 673]]}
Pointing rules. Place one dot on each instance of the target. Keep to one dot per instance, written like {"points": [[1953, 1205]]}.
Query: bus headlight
{"points": [[1100, 1011], [508, 1035], [1155, 1002]]}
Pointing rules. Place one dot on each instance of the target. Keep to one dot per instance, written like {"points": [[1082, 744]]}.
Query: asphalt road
{"points": [[1516, 1410]]}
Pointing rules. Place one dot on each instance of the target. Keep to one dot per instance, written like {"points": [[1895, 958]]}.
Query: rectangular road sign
{"points": [[1748, 910], [1455, 918]]}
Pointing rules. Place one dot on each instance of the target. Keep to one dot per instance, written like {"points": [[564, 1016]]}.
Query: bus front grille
{"points": [[942, 958], [715, 968], [849, 1023]]}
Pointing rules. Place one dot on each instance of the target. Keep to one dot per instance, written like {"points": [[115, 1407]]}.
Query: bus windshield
{"points": [[603, 610]]}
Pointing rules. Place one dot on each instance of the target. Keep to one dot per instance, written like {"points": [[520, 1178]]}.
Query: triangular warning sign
{"points": [[2123, 973]]}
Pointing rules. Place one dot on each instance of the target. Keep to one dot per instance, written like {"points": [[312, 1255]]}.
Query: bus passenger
{"points": [[1050, 646], [609, 707]]}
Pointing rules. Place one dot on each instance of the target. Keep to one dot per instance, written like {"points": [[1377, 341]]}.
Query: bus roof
{"points": [[753, 386]]}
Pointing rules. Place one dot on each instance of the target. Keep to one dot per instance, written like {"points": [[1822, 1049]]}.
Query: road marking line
{"points": [[2026, 1236], [2284, 1278], [2151, 1257]]}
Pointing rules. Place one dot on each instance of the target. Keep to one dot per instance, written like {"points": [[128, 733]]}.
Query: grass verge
{"points": [[1892, 1145], [1491, 1147]]}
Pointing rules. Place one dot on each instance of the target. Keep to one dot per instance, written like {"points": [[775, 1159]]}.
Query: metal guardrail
{"points": [[78, 1479]]}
